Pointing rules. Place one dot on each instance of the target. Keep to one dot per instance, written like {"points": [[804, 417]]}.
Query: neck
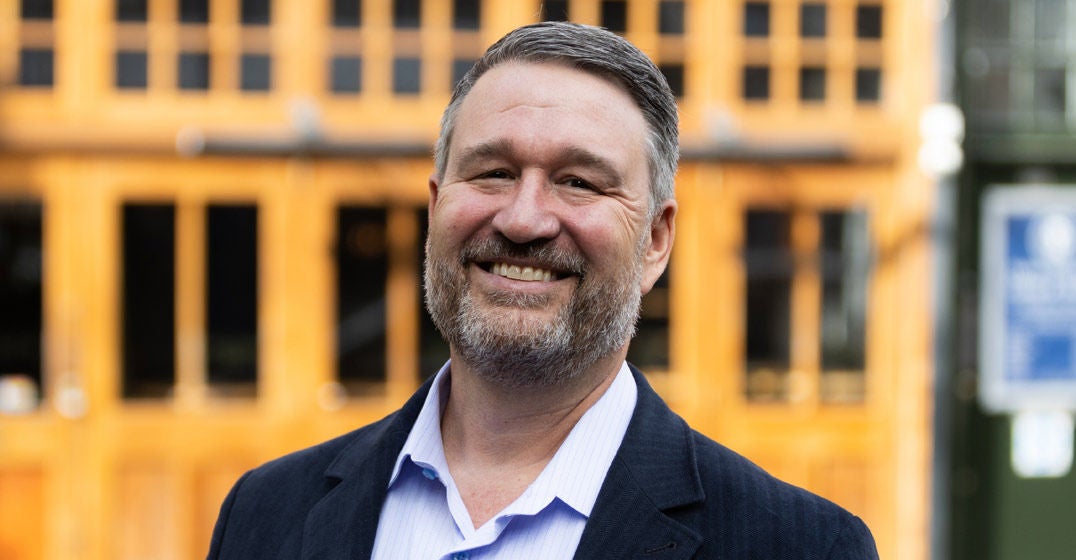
{"points": [[492, 432]]}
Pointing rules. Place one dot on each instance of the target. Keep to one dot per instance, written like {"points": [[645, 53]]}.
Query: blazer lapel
{"points": [[654, 471], [343, 524]]}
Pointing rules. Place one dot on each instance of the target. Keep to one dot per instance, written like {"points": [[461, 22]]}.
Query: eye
{"points": [[578, 183], [495, 174]]}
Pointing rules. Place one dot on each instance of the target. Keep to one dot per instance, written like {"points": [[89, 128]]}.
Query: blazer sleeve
{"points": [[855, 542], [217, 542]]}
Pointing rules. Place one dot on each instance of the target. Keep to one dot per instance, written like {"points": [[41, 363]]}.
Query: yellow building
{"points": [[211, 225]]}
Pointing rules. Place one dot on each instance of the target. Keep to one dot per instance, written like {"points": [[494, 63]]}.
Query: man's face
{"points": [[540, 240]]}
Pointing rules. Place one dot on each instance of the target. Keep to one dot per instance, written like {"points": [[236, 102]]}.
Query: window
{"points": [[467, 14], [254, 72], [406, 75], [614, 15], [769, 266], [671, 17], [813, 20], [555, 10], [868, 85], [148, 299], [812, 84], [193, 71], [346, 74], [407, 14], [35, 9], [649, 349], [845, 262], [131, 10], [459, 69], [20, 294], [362, 265], [35, 67], [231, 254], [674, 74], [131, 69], [756, 82], [347, 13], [255, 12], [869, 22], [756, 19], [194, 11]]}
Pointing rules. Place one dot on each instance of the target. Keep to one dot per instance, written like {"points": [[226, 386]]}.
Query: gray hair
{"points": [[597, 51]]}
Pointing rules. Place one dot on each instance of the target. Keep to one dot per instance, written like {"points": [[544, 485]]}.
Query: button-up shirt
{"points": [[424, 516]]}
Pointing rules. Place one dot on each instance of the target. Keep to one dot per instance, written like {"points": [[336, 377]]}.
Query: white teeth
{"points": [[526, 273]]}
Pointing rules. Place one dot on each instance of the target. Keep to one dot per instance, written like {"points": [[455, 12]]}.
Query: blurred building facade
{"points": [[212, 216], [1017, 85]]}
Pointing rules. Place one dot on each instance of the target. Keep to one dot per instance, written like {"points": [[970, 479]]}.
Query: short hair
{"points": [[596, 51]]}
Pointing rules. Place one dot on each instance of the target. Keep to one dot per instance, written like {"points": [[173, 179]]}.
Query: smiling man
{"points": [[551, 214]]}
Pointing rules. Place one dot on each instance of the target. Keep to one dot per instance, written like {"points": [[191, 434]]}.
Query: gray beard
{"points": [[524, 351]]}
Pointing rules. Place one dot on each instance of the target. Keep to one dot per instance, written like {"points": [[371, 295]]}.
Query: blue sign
{"points": [[1028, 299]]}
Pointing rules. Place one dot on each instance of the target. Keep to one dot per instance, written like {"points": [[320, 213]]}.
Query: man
{"points": [[551, 214]]}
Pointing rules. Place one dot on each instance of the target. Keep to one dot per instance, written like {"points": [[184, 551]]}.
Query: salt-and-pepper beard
{"points": [[516, 350]]}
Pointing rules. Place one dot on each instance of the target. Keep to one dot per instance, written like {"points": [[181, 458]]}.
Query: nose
{"points": [[527, 213]]}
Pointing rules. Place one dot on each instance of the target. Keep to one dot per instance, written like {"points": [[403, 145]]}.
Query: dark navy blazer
{"points": [[670, 493]]}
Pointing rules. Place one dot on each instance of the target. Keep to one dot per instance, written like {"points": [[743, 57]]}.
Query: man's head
{"points": [[545, 223], [596, 51]]}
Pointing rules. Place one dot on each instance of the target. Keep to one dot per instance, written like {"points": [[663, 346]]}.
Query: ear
{"points": [[433, 186], [659, 248]]}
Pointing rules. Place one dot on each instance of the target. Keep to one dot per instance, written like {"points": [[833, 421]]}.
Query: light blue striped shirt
{"points": [[424, 516]]}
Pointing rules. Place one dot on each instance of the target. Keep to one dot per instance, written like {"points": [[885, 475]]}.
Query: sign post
{"points": [[1027, 343]]}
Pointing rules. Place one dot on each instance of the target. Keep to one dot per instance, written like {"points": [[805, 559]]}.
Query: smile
{"points": [[524, 273]]}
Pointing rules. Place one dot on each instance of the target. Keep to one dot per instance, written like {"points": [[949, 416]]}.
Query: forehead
{"points": [[551, 102]]}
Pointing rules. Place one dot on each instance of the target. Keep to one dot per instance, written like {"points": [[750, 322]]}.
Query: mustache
{"points": [[541, 253]]}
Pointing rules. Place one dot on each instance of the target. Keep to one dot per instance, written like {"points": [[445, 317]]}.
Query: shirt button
{"points": [[432, 475]]}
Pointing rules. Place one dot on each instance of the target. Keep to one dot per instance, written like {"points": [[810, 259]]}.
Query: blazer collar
{"points": [[654, 471]]}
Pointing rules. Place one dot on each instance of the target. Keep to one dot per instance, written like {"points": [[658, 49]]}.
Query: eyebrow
{"points": [[573, 155]]}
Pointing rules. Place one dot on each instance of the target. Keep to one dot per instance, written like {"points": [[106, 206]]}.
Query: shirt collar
{"points": [[577, 470]]}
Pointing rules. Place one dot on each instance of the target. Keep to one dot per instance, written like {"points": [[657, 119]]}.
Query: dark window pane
{"points": [[347, 13], [868, 84], [991, 94], [406, 75], [1050, 19], [674, 74], [614, 15], [255, 72], [194, 71], [20, 297], [671, 17], [36, 9], [35, 67], [555, 10], [756, 20], [1050, 95], [232, 298], [813, 20], [255, 12], [149, 332], [407, 13], [869, 22], [362, 266], [650, 348], [459, 69], [812, 84], [433, 350], [769, 266], [131, 10], [467, 14], [194, 11], [989, 20], [756, 82], [845, 262], [131, 69], [346, 74]]}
